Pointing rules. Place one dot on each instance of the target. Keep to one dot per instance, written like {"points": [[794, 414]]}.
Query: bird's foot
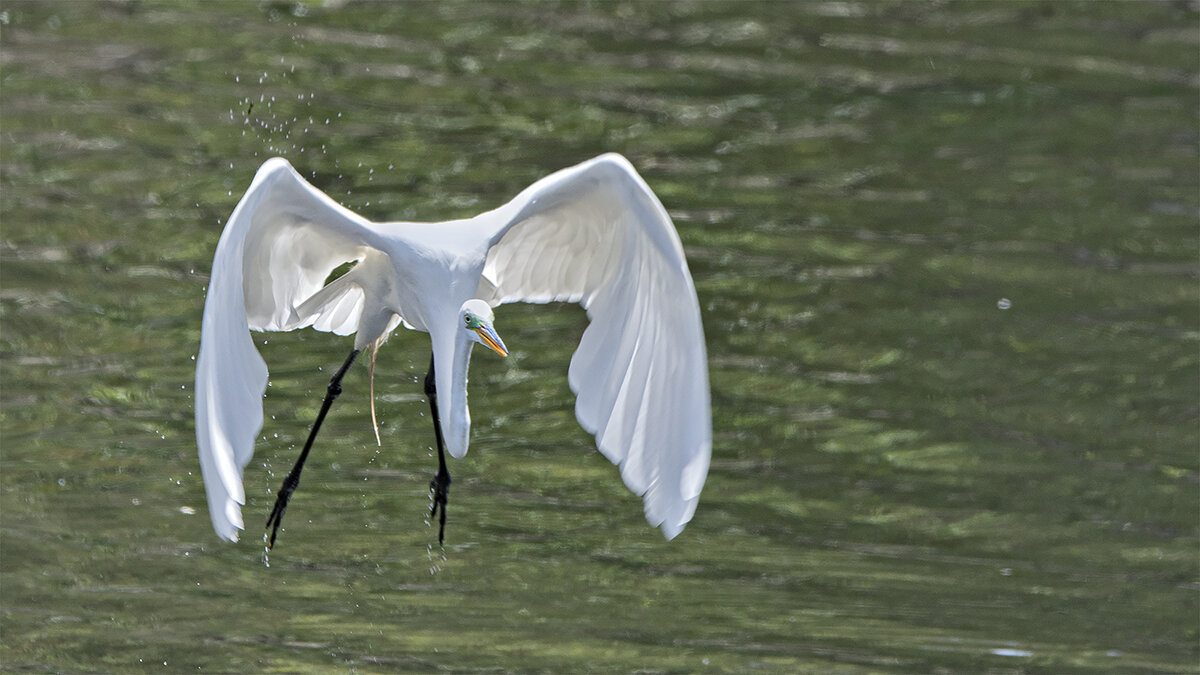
{"points": [[290, 483], [439, 489]]}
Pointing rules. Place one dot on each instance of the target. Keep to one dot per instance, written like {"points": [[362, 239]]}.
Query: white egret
{"points": [[593, 234]]}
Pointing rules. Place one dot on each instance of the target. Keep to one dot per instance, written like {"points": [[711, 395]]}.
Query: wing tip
{"points": [[227, 522], [670, 531], [673, 525]]}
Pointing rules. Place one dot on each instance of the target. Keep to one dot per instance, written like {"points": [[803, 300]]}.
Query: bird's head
{"points": [[476, 318]]}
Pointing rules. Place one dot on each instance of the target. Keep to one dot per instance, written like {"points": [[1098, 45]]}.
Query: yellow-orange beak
{"points": [[489, 337]]}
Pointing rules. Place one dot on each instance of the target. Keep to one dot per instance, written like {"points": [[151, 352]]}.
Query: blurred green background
{"points": [[947, 258]]}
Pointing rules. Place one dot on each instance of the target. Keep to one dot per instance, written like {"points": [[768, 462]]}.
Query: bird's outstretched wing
{"points": [[281, 243], [595, 234]]}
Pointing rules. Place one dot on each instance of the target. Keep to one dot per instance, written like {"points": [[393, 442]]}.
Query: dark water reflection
{"points": [[947, 258]]}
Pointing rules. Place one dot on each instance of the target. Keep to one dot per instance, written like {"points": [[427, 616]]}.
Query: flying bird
{"points": [[593, 234]]}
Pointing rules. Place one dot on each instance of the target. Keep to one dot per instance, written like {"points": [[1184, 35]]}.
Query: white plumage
{"points": [[593, 234]]}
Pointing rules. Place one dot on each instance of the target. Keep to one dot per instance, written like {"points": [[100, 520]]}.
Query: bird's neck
{"points": [[452, 356]]}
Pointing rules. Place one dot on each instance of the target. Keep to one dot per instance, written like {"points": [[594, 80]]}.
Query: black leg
{"points": [[440, 485], [293, 478]]}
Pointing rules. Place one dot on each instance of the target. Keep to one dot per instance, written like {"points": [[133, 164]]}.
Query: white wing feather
{"points": [[279, 246], [595, 234]]}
